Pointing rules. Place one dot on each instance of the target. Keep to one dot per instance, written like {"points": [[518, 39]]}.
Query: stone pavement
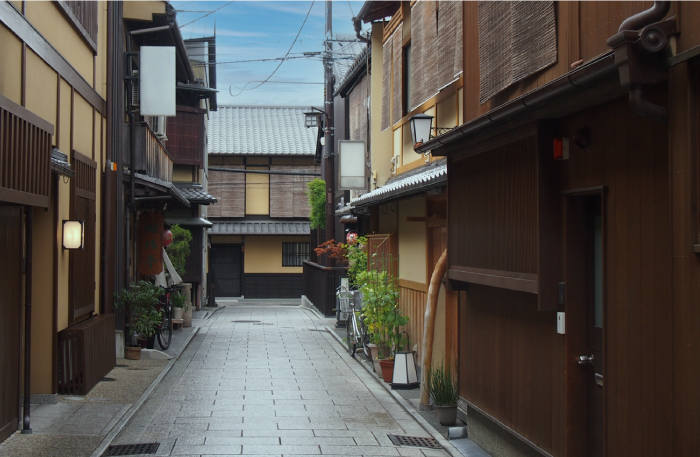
{"points": [[255, 378], [268, 379]]}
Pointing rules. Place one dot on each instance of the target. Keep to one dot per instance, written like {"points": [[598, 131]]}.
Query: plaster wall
{"points": [[82, 126], [182, 173], [412, 241], [381, 149], [64, 128], [53, 25], [257, 193], [388, 218], [143, 11], [41, 88], [263, 254], [10, 70]]}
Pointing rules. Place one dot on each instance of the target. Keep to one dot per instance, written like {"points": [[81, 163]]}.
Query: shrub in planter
{"points": [[444, 391], [179, 302], [139, 298], [179, 249]]}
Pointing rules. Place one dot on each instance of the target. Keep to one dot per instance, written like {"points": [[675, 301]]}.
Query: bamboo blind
{"points": [[397, 76], [516, 40], [229, 190], [386, 82], [288, 192], [359, 111]]}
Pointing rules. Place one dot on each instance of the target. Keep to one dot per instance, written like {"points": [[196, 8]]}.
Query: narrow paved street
{"points": [[267, 379]]}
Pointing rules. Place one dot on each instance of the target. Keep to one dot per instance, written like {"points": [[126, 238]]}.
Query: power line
{"points": [[278, 66], [211, 12]]}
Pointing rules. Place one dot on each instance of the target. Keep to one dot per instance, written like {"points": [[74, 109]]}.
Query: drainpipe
{"points": [[356, 22], [26, 429], [640, 40]]}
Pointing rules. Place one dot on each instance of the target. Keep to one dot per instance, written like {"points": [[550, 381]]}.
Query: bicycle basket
{"points": [[345, 301]]}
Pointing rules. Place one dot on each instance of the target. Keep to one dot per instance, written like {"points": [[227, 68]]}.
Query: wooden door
{"points": [[10, 307], [226, 267], [584, 305]]}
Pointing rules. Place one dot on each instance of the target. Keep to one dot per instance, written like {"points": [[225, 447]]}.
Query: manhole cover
{"points": [[245, 322], [418, 441], [133, 449]]}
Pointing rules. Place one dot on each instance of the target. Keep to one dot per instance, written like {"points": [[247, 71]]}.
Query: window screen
{"points": [[294, 254]]}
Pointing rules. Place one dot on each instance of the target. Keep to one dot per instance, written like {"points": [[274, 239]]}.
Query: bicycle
{"points": [[356, 331], [164, 332]]}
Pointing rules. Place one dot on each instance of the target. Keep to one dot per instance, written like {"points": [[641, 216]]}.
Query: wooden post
{"points": [[429, 326]]}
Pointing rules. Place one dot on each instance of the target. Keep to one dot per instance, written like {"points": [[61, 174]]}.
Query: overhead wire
{"points": [[212, 12], [281, 62]]}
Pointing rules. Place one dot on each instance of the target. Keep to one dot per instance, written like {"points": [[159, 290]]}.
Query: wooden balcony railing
{"points": [[150, 156], [320, 284]]}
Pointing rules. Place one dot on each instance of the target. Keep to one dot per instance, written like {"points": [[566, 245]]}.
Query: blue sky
{"points": [[259, 30]]}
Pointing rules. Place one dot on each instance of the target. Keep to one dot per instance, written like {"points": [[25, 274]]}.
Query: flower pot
{"points": [[142, 343], [151, 342], [132, 353], [387, 369], [177, 313], [447, 415]]}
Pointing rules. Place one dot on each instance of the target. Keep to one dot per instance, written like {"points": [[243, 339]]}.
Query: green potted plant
{"points": [[139, 298], [146, 324], [444, 391], [179, 302]]}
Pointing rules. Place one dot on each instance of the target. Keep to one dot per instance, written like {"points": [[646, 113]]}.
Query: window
{"points": [[294, 254]]}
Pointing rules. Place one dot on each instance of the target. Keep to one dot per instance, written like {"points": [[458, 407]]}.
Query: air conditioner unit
{"points": [[158, 125], [135, 94]]}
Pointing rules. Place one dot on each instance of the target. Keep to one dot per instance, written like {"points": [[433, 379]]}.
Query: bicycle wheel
{"points": [[350, 333], [165, 332], [365, 339]]}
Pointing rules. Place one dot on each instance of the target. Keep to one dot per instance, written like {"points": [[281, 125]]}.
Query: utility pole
{"points": [[328, 155]]}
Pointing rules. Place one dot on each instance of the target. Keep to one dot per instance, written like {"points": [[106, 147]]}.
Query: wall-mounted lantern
{"points": [[421, 126], [73, 234]]}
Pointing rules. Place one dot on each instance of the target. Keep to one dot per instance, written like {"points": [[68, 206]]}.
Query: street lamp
{"points": [[421, 125], [73, 234], [313, 118]]}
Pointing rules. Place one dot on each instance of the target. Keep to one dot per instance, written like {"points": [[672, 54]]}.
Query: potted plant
{"points": [[444, 391], [139, 298], [383, 316], [179, 302], [146, 324]]}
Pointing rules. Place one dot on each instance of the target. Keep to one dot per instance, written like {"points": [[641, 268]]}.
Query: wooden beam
{"points": [[523, 282]]}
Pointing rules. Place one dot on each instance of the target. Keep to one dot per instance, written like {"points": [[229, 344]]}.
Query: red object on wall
{"points": [[167, 238], [150, 247], [351, 237]]}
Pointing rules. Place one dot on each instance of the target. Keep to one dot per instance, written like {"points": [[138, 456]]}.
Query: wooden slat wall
{"points": [[288, 192], [25, 156], [229, 190], [512, 363], [186, 137], [632, 163], [383, 253], [86, 13], [498, 188], [412, 304]]}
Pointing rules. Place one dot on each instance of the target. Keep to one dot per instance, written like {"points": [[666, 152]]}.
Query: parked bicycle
{"points": [[165, 329], [351, 303]]}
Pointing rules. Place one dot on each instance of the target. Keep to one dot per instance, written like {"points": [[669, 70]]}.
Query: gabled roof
{"points": [[344, 55], [260, 130]]}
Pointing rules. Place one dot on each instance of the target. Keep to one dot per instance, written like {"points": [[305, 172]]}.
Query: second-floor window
{"points": [[294, 254]]}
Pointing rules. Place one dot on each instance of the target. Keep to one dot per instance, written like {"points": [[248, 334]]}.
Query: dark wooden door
{"points": [[584, 306], [226, 265], [10, 306]]}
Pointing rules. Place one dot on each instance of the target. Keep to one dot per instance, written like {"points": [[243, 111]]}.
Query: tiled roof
{"points": [[419, 180], [344, 56], [195, 194], [355, 66], [260, 130], [260, 228]]}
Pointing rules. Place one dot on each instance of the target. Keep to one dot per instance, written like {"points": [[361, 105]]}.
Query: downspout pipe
{"points": [[646, 17], [26, 428], [357, 24]]}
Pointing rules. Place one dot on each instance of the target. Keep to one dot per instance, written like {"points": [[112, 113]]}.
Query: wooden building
{"points": [[260, 235], [53, 153], [573, 221]]}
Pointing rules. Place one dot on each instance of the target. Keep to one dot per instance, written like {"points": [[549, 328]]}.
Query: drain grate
{"points": [[107, 379], [245, 322], [133, 449], [417, 441]]}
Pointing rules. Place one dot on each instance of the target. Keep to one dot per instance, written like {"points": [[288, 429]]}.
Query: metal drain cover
{"points": [[245, 322], [133, 449], [417, 441]]}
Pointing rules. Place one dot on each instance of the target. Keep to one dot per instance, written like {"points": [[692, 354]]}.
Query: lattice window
{"points": [[294, 254]]}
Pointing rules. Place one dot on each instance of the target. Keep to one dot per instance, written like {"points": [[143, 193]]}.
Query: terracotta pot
{"points": [[447, 415], [387, 369], [142, 343], [177, 313], [132, 353]]}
